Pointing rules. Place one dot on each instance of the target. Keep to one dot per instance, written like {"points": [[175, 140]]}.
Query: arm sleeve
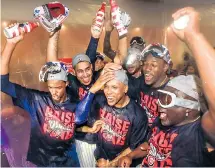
{"points": [[21, 96], [83, 108], [95, 107], [91, 49], [139, 129], [8, 87]]}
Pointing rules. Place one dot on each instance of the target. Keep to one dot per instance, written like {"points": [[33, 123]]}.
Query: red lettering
{"points": [[146, 99], [120, 141], [57, 114], [154, 105], [162, 142], [149, 102], [102, 113], [66, 135], [118, 125], [114, 140], [109, 118], [62, 116], [113, 120], [125, 126], [69, 117], [48, 112]]}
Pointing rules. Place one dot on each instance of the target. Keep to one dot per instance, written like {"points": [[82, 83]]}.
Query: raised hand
{"points": [[111, 67], [16, 39], [96, 33], [103, 78], [108, 23], [120, 19], [192, 27]]}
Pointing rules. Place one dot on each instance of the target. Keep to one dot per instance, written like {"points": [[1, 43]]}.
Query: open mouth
{"points": [[148, 77], [86, 80], [131, 69], [110, 99]]}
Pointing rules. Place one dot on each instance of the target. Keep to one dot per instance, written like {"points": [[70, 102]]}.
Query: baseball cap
{"points": [[190, 85], [157, 50], [80, 58], [53, 71], [120, 75]]}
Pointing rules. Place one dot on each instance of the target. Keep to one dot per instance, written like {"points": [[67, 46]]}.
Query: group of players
{"points": [[123, 113]]}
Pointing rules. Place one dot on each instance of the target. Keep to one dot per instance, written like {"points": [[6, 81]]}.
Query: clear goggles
{"points": [[138, 41], [167, 99], [154, 51]]}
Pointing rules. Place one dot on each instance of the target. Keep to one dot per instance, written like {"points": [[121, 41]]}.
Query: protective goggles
{"points": [[167, 99], [157, 50], [51, 67], [137, 40], [51, 15]]}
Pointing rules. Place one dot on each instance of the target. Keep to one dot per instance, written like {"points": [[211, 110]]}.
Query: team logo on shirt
{"points": [[59, 124], [81, 93], [114, 130], [160, 148], [152, 107]]}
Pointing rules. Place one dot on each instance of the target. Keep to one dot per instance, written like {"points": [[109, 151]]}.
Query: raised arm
{"points": [[121, 21], [122, 51], [204, 55], [17, 92], [106, 45], [52, 47], [7, 53], [93, 44], [6, 86]]}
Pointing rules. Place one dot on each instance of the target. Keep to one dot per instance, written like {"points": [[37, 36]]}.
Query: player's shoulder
{"points": [[136, 109]]}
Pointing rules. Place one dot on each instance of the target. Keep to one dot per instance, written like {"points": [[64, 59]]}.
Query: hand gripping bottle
{"points": [[11, 32], [100, 15], [116, 19]]}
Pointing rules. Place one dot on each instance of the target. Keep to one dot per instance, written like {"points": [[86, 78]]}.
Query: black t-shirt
{"points": [[147, 97], [148, 100], [124, 127], [177, 146], [52, 127], [134, 85], [78, 91]]}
